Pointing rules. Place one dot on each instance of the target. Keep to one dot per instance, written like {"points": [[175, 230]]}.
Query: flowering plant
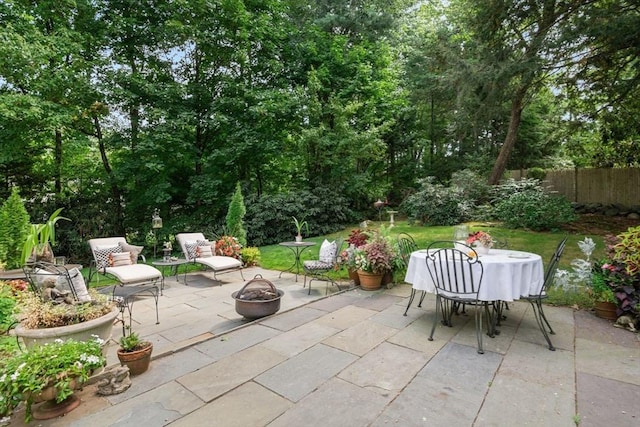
{"points": [[228, 246], [357, 238], [377, 256], [482, 238], [347, 258], [56, 364]]}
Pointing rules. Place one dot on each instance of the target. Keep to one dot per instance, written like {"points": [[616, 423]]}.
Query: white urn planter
{"points": [[84, 331]]}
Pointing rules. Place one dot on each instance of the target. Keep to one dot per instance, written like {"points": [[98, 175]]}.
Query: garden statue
{"points": [[53, 294]]}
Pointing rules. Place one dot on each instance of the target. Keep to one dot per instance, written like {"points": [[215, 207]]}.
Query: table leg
{"points": [[297, 252]]}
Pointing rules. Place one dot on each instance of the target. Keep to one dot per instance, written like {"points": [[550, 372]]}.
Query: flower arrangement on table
{"points": [[228, 246], [57, 364], [481, 238]]}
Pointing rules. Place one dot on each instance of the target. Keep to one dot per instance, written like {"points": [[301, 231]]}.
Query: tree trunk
{"points": [[510, 140]]}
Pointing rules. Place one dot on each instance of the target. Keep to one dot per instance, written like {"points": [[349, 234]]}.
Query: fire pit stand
{"points": [[257, 298]]}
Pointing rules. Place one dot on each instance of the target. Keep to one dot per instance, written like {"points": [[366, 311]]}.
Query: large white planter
{"points": [[84, 331]]}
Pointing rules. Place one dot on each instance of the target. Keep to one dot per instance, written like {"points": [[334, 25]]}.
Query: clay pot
{"points": [[353, 275], [370, 281], [606, 310], [138, 361]]}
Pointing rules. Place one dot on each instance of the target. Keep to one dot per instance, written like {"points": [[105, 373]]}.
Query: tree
{"points": [[14, 226], [235, 217]]}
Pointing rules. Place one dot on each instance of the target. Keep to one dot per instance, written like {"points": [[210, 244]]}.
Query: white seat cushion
{"points": [[219, 263], [134, 273]]}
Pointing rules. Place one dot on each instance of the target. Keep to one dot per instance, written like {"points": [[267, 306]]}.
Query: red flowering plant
{"points": [[357, 238], [228, 246], [480, 238]]}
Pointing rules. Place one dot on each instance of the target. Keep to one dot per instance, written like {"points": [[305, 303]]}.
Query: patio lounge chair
{"points": [[197, 249], [115, 258]]}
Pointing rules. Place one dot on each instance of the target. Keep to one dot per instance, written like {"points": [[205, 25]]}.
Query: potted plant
{"points": [[40, 238], [135, 353], [49, 372], [43, 321], [300, 224], [373, 260], [602, 293]]}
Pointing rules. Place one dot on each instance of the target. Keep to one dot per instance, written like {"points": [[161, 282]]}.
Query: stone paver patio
{"points": [[353, 359]]}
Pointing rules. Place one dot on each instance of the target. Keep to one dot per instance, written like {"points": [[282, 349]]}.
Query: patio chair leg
{"points": [[435, 319], [537, 311], [479, 327]]}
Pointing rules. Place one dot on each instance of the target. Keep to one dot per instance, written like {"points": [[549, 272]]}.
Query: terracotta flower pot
{"points": [[138, 361], [353, 275], [606, 310], [370, 281]]}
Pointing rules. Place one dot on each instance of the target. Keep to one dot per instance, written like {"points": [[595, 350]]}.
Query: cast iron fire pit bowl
{"points": [[258, 298]]}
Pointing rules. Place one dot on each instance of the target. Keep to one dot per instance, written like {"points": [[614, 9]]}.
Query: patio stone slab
{"points": [[619, 398], [626, 360], [345, 317], [224, 375], [336, 403], [378, 301], [248, 405], [236, 341], [513, 400], [299, 339], [387, 368], [361, 338], [334, 303], [161, 371], [593, 328], [293, 319], [303, 373], [157, 407]]}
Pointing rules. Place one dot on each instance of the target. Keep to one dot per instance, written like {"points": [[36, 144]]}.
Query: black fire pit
{"points": [[258, 298]]}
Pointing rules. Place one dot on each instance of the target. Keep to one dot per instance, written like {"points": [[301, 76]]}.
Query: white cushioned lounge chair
{"points": [[115, 258], [197, 249]]}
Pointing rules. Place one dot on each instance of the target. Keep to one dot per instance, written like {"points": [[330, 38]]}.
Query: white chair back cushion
{"points": [[328, 251]]}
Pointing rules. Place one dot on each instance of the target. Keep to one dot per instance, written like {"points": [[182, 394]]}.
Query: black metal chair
{"points": [[536, 300], [318, 269], [457, 278], [406, 245]]}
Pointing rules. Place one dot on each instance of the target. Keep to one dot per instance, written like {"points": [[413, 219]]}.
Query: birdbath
{"points": [[391, 214]]}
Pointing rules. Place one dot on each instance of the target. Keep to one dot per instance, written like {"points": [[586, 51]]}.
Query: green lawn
{"points": [[543, 243], [276, 257]]}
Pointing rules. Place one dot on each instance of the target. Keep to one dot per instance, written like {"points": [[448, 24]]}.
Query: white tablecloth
{"points": [[508, 275]]}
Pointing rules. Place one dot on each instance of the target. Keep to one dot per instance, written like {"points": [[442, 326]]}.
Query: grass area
{"points": [[278, 257]]}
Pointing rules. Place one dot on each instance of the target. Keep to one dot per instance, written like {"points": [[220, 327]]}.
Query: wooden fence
{"points": [[606, 186]]}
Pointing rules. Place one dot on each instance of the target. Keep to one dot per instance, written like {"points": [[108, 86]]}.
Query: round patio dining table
{"points": [[508, 275]]}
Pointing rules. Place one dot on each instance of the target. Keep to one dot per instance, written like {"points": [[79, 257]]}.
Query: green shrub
{"points": [[235, 217], [268, 218], [250, 256], [537, 173], [473, 185], [525, 204], [14, 227], [436, 204]]}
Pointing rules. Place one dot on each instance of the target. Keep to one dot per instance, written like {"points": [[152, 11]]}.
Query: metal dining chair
{"points": [[406, 245], [536, 300], [457, 278]]}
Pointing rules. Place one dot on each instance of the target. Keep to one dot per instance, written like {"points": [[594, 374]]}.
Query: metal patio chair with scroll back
{"points": [[536, 300], [406, 245], [318, 269], [457, 278]]}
